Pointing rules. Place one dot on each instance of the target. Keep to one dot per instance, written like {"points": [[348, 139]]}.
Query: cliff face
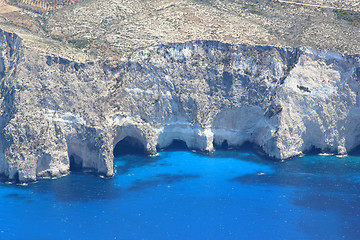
{"points": [[52, 109], [285, 100]]}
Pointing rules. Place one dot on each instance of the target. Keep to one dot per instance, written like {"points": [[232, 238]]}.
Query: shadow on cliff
{"points": [[246, 152], [322, 184]]}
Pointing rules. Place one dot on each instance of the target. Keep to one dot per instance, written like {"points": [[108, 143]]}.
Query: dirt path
{"points": [[8, 9], [315, 5]]}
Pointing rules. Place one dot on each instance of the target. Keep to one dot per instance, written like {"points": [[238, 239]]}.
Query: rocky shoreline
{"points": [[57, 113]]}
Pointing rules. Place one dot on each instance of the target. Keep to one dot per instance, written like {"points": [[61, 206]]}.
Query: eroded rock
{"points": [[56, 114]]}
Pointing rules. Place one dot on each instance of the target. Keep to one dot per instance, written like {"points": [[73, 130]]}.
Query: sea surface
{"points": [[186, 195]]}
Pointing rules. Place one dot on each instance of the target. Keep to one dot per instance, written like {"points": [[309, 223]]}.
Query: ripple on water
{"points": [[184, 195]]}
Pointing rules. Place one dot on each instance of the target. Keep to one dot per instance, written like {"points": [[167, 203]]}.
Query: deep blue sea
{"points": [[185, 195]]}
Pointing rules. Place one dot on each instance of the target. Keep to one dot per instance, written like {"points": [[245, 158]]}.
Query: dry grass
{"points": [[103, 28]]}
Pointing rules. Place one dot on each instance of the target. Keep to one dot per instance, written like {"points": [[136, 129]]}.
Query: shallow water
{"points": [[184, 195]]}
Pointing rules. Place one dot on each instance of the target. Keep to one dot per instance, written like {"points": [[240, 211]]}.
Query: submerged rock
{"points": [[285, 100]]}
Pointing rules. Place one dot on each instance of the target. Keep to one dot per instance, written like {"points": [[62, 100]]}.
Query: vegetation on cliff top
{"points": [[93, 29]]}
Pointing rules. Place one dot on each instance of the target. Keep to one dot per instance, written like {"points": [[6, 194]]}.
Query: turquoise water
{"points": [[185, 195]]}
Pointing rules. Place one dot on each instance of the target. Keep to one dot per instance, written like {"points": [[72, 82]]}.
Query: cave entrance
{"points": [[76, 163], [224, 145], [177, 145], [313, 151], [355, 151], [129, 146]]}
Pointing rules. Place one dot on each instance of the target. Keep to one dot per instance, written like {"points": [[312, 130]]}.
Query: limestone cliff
{"points": [[285, 100], [51, 109]]}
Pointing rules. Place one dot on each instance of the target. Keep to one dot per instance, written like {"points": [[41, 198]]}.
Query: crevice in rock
{"points": [[291, 59]]}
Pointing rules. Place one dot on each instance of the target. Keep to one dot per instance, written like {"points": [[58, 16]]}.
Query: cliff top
{"points": [[88, 30]]}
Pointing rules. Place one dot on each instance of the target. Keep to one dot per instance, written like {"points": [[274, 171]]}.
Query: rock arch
{"points": [[132, 139], [129, 145], [90, 152], [194, 137]]}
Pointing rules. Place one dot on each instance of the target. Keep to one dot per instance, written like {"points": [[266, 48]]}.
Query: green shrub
{"points": [[352, 17], [273, 110], [79, 43], [302, 88]]}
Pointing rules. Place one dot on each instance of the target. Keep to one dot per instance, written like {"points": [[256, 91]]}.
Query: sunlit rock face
{"points": [[51, 109], [58, 115]]}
